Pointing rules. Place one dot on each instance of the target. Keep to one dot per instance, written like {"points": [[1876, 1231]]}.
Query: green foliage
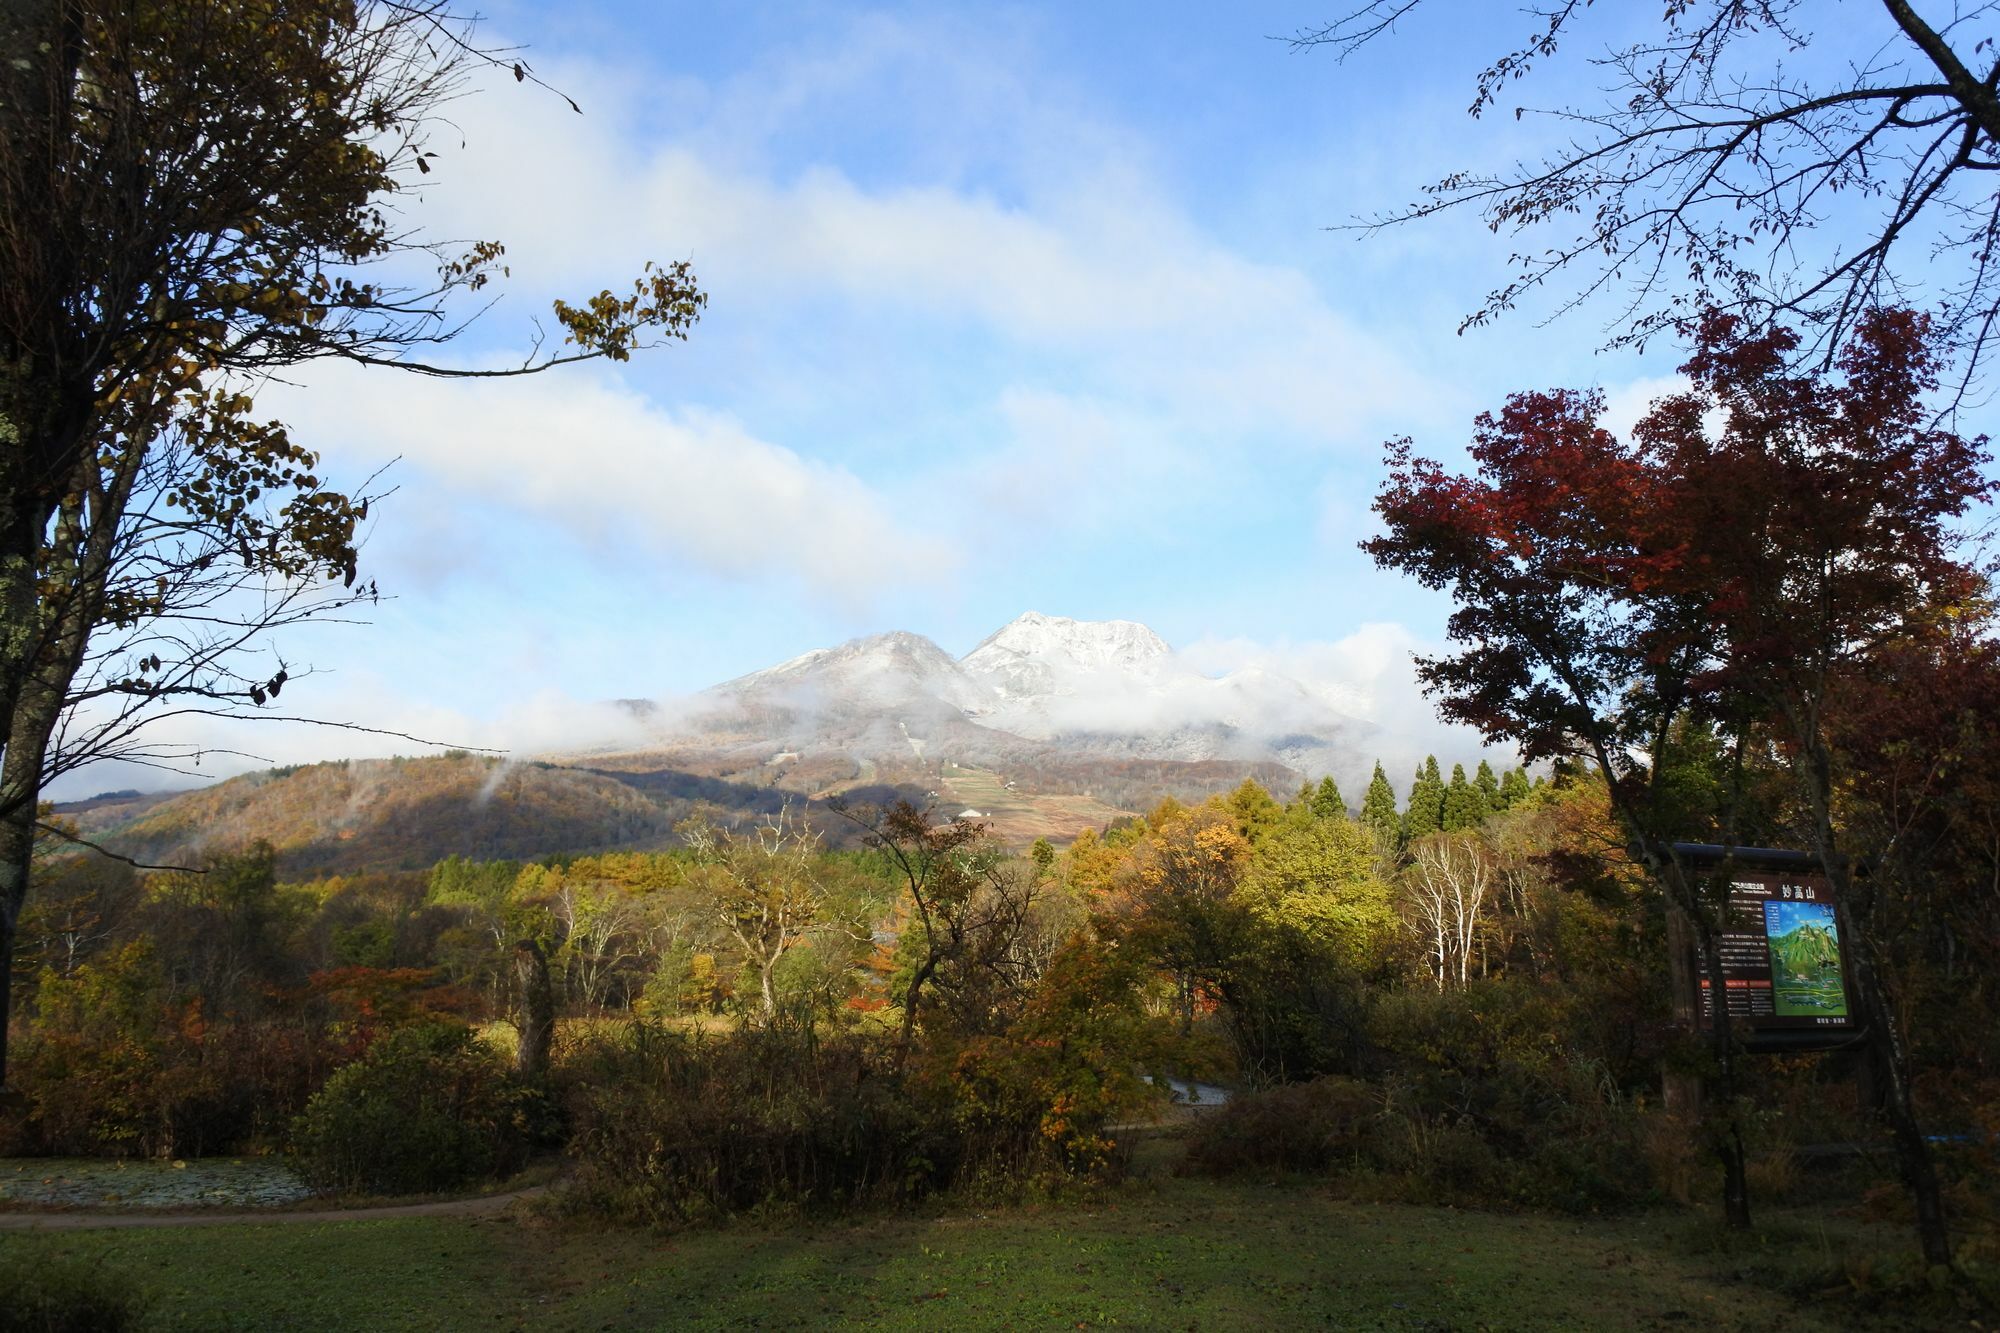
{"points": [[1319, 879], [1378, 810], [812, 982], [1488, 786], [427, 1108], [1424, 814], [459, 881], [368, 944], [62, 1294], [1476, 1098], [1465, 805], [1514, 789], [1255, 811], [1290, 1005], [1327, 802]]}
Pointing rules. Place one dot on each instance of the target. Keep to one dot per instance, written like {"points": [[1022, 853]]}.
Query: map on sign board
{"points": [[1805, 960], [1780, 955]]}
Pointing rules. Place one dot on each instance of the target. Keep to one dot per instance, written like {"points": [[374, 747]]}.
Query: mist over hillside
{"points": [[1048, 726], [1068, 699]]}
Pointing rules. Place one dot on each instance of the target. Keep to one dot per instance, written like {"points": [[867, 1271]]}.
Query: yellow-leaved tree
{"points": [[193, 193]]}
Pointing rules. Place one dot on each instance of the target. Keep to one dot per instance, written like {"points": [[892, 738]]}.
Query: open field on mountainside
{"points": [[1019, 817]]}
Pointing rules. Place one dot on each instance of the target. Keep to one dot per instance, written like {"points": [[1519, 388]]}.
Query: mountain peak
{"points": [[1103, 688], [1037, 657], [873, 671], [1086, 644]]}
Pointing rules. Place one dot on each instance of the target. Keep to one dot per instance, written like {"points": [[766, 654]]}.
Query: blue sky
{"points": [[1012, 307]]}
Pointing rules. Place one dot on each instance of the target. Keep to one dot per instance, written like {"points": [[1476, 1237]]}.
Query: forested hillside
{"points": [[386, 814], [405, 813]]}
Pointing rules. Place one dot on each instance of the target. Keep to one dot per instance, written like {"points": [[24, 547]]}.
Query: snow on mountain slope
{"points": [[1116, 687], [1037, 656], [882, 671], [1103, 689]]}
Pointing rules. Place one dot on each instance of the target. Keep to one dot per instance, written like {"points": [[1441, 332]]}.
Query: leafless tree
{"points": [[768, 889], [1712, 170], [599, 926], [1445, 890]]}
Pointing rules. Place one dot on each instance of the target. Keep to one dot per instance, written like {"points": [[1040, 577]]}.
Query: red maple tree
{"points": [[1757, 550]]}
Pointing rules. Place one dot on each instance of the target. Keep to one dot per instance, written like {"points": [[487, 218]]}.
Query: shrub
{"points": [[427, 1108], [54, 1294], [1039, 1099], [1307, 1127], [116, 1065], [673, 1127], [1482, 1100]]}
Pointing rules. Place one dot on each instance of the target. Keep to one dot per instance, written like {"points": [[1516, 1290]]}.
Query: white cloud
{"points": [[1089, 261], [1625, 404], [598, 460], [197, 750], [1369, 675], [1122, 358]]}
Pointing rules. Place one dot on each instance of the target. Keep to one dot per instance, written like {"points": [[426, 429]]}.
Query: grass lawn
{"points": [[1171, 1254]]}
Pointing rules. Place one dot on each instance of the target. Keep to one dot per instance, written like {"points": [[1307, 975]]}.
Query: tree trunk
{"points": [[910, 998], [537, 1019], [1891, 1065], [1727, 1135], [17, 856], [1721, 1117], [1682, 1091], [17, 852], [41, 434], [36, 709], [1891, 1058]]}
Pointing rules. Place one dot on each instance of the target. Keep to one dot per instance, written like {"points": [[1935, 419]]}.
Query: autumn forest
{"points": [[1078, 978]]}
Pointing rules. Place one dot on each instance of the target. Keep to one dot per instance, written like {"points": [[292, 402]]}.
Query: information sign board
{"points": [[1780, 954]]}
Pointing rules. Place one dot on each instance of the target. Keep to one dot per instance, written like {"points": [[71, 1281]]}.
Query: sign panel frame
{"points": [[1784, 973]]}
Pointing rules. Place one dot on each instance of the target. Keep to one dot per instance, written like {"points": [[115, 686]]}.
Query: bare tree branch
{"points": [[1709, 175]]}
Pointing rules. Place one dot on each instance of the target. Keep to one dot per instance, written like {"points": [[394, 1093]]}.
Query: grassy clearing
{"points": [[1179, 1254], [1016, 817]]}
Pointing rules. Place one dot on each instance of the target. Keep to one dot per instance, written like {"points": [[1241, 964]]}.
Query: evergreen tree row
{"points": [[1434, 805]]}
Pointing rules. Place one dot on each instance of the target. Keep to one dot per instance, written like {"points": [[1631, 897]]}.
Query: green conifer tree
{"points": [[1327, 802], [1464, 808], [1514, 789], [1488, 787], [1378, 809], [1425, 813]]}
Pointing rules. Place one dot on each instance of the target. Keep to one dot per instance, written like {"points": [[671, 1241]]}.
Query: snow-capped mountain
{"points": [[1041, 685], [1038, 657], [879, 671]]}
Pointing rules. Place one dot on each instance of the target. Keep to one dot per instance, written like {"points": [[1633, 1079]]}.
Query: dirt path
{"points": [[488, 1205]]}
